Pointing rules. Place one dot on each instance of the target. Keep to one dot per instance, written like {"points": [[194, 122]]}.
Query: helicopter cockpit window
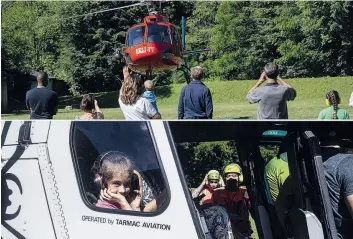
{"points": [[158, 33], [176, 39], [135, 36], [117, 167]]}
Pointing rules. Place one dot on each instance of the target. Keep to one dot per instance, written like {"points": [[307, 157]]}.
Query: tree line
{"points": [[306, 39]]}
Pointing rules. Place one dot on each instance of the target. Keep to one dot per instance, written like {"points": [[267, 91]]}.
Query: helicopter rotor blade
{"points": [[111, 9]]}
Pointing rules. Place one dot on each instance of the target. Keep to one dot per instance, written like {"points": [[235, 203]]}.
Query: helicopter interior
{"points": [[306, 212]]}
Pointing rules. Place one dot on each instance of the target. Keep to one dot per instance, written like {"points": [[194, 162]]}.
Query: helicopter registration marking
{"points": [[145, 49]]}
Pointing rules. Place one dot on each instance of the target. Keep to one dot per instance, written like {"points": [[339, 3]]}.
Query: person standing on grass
{"points": [[351, 100], [40, 101], [195, 100], [333, 111], [272, 97], [132, 103], [90, 108]]}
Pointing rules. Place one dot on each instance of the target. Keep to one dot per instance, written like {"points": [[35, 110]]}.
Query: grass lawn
{"points": [[229, 100]]}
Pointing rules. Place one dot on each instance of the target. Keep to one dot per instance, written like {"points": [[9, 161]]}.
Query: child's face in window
{"points": [[120, 183]]}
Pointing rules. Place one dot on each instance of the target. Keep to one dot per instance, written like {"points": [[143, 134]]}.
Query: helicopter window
{"points": [[158, 33], [126, 146], [135, 36], [176, 40], [176, 37]]}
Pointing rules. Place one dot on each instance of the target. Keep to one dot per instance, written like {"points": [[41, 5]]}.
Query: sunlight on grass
{"points": [[228, 100]]}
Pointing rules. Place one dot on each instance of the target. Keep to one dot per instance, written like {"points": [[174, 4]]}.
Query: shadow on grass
{"points": [[244, 117], [240, 118]]}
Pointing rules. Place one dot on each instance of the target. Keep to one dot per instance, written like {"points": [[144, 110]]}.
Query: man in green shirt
{"points": [[278, 183], [277, 172]]}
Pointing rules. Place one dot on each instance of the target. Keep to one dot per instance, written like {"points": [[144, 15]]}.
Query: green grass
{"points": [[229, 100]]}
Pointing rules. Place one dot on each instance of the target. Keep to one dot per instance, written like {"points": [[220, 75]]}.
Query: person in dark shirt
{"points": [[195, 100], [338, 173], [42, 102]]}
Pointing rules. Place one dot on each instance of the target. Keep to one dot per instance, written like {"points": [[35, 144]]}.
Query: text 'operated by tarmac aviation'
{"points": [[155, 44]]}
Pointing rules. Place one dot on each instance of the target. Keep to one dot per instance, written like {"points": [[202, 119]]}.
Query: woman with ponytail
{"points": [[333, 111]]}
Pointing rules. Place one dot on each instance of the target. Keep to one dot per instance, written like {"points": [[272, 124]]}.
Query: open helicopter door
{"points": [[27, 182], [314, 180], [253, 166]]}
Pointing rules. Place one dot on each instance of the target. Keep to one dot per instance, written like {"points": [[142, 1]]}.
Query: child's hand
{"points": [[117, 198], [204, 180], [136, 200]]}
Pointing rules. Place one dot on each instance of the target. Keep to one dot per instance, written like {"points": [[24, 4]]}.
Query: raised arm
{"points": [[259, 82], [98, 110], [283, 82], [291, 93], [198, 190]]}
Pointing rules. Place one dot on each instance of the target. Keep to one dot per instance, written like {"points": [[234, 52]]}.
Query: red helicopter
{"points": [[154, 45]]}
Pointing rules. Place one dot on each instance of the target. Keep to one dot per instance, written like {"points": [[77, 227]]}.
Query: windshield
{"points": [[158, 33], [135, 36]]}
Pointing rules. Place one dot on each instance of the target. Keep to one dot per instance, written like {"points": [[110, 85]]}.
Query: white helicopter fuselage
{"points": [[45, 201]]}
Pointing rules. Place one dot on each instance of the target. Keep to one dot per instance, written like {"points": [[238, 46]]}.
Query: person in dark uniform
{"points": [[42, 102], [195, 101]]}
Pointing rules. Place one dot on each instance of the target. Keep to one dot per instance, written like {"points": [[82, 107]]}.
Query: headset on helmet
{"points": [[234, 168]]}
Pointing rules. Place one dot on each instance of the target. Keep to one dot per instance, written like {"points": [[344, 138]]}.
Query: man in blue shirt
{"points": [[195, 100]]}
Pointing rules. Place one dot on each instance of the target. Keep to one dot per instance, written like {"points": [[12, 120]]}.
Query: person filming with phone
{"points": [[272, 97], [90, 108]]}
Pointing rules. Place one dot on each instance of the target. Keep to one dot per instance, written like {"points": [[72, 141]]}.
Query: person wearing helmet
{"points": [[272, 98], [235, 200], [212, 181]]}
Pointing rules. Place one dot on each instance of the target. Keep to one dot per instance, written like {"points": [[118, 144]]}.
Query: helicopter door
{"points": [[23, 196], [253, 165], [176, 42], [314, 180], [303, 221]]}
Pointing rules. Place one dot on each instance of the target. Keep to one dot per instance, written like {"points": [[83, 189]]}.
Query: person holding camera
{"points": [[90, 108], [195, 100], [272, 97]]}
